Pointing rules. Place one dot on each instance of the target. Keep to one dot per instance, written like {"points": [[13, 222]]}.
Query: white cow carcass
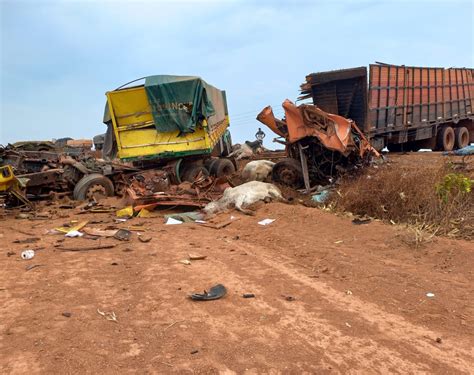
{"points": [[257, 170], [242, 151], [243, 196]]}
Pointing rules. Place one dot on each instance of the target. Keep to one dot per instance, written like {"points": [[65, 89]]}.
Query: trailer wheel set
{"points": [[216, 167]]}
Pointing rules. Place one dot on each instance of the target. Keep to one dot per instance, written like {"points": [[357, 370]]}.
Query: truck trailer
{"points": [[400, 107]]}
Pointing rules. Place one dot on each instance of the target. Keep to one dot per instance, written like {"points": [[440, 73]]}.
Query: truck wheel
{"points": [[462, 137], [191, 172], [288, 172], [222, 167], [208, 163], [93, 186], [445, 141]]}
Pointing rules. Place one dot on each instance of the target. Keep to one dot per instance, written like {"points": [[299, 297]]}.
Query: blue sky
{"points": [[58, 58]]}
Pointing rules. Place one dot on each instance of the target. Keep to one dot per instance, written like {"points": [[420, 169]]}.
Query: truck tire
{"points": [[288, 172], [222, 167], [445, 139], [93, 186], [208, 163], [462, 137], [191, 172]]}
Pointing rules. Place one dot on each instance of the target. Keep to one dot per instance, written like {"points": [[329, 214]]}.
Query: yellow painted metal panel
{"points": [[131, 108], [137, 136]]}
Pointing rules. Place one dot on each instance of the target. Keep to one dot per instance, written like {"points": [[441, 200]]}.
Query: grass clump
{"points": [[438, 200]]}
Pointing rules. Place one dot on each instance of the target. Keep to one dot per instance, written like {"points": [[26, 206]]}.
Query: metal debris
{"points": [[320, 145]]}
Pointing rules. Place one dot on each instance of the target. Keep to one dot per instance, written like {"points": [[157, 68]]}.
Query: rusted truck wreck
{"points": [[320, 145]]}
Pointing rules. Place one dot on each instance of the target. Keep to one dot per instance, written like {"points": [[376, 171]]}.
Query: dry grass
{"points": [[409, 195]]}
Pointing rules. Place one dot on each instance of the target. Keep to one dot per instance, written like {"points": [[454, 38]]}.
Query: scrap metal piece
{"points": [[11, 186], [304, 168]]}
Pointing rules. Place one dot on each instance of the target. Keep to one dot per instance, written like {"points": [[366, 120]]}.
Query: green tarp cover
{"points": [[180, 102]]}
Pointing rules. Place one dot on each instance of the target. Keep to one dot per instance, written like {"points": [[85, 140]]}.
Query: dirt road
{"points": [[359, 299]]}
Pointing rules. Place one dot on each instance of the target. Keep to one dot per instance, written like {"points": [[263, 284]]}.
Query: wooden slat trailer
{"points": [[401, 107]]}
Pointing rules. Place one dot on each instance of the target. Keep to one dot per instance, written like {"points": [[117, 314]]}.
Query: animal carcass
{"points": [[257, 170], [243, 196]]}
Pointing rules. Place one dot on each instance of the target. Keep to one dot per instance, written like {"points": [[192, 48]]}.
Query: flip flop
{"points": [[216, 292]]}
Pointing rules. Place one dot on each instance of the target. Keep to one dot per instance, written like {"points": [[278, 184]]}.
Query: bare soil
{"points": [[330, 297]]}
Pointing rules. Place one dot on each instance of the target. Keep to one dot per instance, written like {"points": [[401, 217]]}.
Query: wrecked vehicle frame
{"points": [[320, 146]]}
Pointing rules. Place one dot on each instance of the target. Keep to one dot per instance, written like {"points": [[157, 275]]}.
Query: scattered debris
{"points": [[321, 196], [27, 240], [439, 340], [185, 262], [222, 224], [99, 247], [465, 151], [186, 217], [10, 253], [145, 213], [266, 221], [197, 257], [248, 295], [67, 229], [171, 221], [172, 324], [74, 233], [13, 188], [216, 292], [195, 351], [430, 295], [123, 235], [27, 254], [288, 298], [31, 266], [109, 316], [144, 238], [66, 314], [100, 232], [125, 212]]}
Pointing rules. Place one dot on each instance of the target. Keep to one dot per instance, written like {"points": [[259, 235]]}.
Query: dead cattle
{"points": [[242, 152], [257, 170], [243, 196]]}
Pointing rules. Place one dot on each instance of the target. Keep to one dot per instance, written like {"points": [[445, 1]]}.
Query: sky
{"points": [[58, 58]]}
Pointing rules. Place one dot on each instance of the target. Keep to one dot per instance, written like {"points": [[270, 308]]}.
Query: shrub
{"points": [[437, 200]]}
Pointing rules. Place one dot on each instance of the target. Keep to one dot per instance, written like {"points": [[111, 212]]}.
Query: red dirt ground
{"points": [[360, 303]]}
